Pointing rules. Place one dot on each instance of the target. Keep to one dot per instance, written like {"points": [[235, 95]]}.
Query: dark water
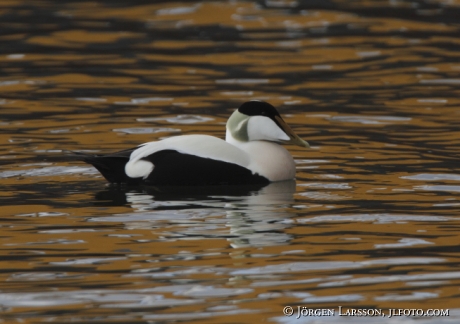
{"points": [[372, 221]]}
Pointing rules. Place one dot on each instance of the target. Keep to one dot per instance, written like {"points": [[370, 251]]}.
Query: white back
{"points": [[199, 145]]}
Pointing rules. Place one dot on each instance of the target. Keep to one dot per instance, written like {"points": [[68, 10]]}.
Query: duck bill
{"points": [[293, 138]]}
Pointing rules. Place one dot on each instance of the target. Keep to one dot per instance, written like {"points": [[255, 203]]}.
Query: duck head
{"points": [[259, 121]]}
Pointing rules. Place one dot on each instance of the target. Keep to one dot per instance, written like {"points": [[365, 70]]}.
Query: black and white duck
{"points": [[250, 154]]}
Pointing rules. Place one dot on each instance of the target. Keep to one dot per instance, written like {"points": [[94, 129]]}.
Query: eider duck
{"points": [[250, 154]]}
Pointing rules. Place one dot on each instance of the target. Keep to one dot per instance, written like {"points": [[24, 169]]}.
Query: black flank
{"points": [[172, 168]]}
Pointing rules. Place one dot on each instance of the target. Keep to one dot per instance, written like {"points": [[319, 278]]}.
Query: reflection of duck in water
{"points": [[250, 154], [261, 218], [244, 215], [260, 195]]}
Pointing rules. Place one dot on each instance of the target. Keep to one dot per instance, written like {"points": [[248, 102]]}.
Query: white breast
{"points": [[268, 159]]}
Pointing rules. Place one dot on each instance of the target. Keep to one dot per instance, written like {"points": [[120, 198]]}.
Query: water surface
{"points": [[371, 222]]}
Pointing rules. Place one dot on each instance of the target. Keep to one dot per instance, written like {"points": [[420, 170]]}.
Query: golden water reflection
{"points": [[371, 222]]}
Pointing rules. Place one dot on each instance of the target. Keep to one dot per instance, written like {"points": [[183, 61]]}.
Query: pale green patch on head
{"points": [[237, 124]]}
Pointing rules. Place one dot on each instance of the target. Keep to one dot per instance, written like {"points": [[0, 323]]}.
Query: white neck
{"points": [[268, 159], [231, 140]]}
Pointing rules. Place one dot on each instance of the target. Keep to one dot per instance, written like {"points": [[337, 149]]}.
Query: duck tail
{"points": [[111, 166]]}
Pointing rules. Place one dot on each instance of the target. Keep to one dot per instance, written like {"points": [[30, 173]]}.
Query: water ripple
{"points": [[49, 171]]}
